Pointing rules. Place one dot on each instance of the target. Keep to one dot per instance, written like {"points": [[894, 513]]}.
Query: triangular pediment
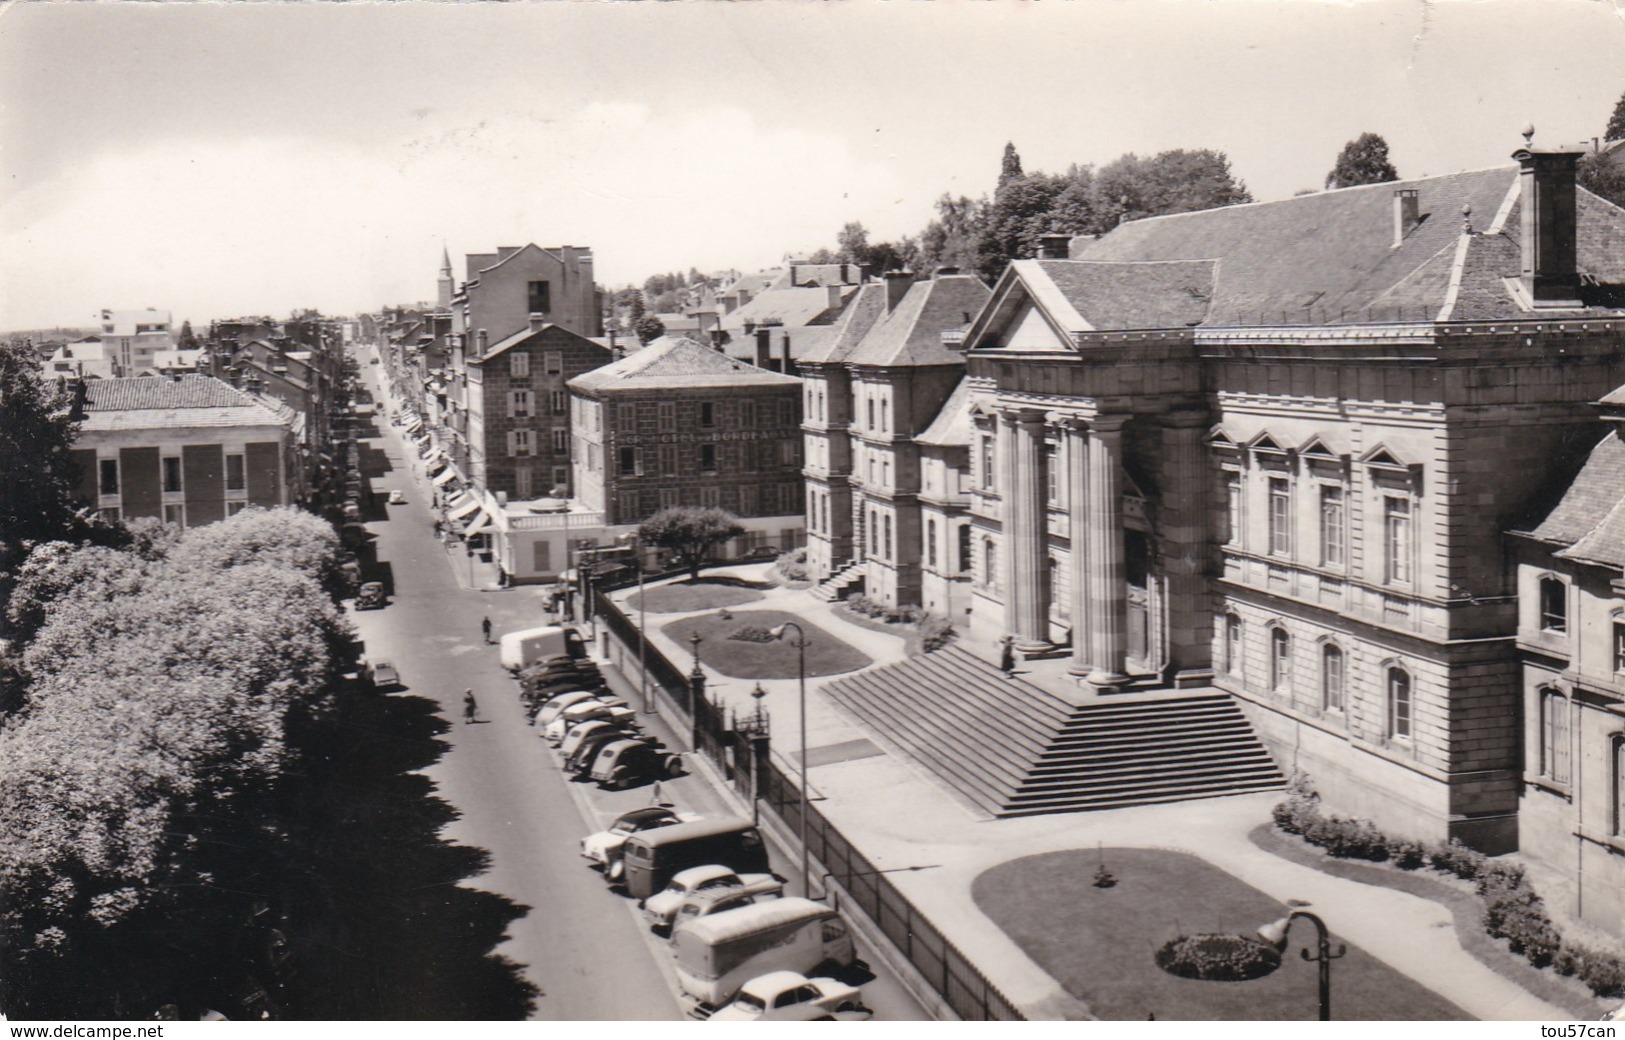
{"points": [[1315, 448], [1381, 457], [1265, 443]]}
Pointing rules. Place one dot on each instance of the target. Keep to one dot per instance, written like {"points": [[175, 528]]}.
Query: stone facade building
{"points": [[1272, 448], [189, 450], [518, 410], [680, 424], [1571, 637]]}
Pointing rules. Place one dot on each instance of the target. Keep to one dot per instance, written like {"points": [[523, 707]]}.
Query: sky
{"points": [[215, 160]]}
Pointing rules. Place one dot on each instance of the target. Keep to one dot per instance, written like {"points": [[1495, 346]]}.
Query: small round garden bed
{"points": [[681, 597]]}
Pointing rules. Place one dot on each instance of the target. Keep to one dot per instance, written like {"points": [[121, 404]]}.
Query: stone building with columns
{"points": [[1273, 448]]}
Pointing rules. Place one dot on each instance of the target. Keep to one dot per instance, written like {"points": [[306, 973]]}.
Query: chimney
{"points": [[1548, 230], [1054, 247], [537, 320], [764, 346], [480, 342], [788, 365], [834, 296], [1407, 213], [897, 284]]}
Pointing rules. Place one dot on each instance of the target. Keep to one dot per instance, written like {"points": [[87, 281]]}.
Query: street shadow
{"points": [[371, 459], [377, 570], [383, 924]]}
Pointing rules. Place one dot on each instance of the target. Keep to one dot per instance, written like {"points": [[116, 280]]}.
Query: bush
{"points": [[935, 632], [1406, 854], [1301, 807], [1218, 958], [1452, 857], [751, 634], [792, 566], [1348, 839], [1603, 972]]}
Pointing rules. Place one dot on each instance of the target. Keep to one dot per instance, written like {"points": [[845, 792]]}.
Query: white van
{"points": [[538, 644], [719, 953]]}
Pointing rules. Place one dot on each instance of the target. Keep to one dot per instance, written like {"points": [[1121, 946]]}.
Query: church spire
{"points": [[448, 281]]}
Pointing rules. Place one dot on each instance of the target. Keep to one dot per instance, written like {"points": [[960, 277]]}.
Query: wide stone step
{"points": [[1098, 780], [1149, 760], [987, 779], [1088, 804], [1013, 748]]}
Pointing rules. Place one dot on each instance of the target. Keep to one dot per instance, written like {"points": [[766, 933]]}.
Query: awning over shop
{"points": [[445, 478], [480, 523], [413, 427], [437, 464], [463, 510]]}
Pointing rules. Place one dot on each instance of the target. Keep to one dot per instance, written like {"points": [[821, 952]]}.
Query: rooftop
{"points": [[153, 402], [1589, 520], [678, 362], [912, 333]]}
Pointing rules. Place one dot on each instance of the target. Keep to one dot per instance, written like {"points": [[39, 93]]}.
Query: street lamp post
{"points": [[636, 541], [1275, 934], [777, 632]]}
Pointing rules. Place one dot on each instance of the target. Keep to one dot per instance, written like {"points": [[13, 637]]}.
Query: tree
{"points": [[1363, 160], [1019, 214], [1009, 166], [1603, 174], [1176, 181], [852, 244], [187, 340], [634, 307], [648, 329], [1616, 122], [953, 237], [689, 533], [37, 473]]}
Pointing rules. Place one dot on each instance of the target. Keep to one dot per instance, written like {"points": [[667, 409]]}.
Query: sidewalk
{"points": [[900, 815]]}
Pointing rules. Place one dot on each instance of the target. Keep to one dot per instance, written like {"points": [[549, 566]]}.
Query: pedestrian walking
{"points": [[1007, 657], [485, 627], [471, 709]]}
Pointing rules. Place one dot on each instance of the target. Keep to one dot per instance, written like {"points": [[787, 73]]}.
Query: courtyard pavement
{"points": [[901, 816]]}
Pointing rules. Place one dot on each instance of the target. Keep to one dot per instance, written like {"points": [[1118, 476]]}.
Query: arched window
{"points": [[1554, 736], [1399, 703], [1232, 644], [1554, 605], [1331, 677], [1280, 658]]}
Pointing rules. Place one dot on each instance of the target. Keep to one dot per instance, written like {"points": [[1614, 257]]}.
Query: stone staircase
{"points": [[845, 580], [1014, 749]]}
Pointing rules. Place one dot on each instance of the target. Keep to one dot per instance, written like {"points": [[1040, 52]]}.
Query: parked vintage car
{"points": [[383, 675], [610, 709], [579, 764], [778, 991], [660, 908], [397, 497], [371, 596], [602, 847], [622, 763], [719, 955], [715, 901], [555, 707]]}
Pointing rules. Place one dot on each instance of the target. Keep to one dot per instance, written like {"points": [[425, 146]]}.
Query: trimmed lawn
{"points": [[826, 655], [680, 597], [1099, 943]]}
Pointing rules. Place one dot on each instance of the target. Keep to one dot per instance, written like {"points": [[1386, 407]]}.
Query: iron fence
{"points": [[744, 760]]}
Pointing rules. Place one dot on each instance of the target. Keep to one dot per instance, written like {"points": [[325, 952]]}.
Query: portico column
{"points": [[1026, 595], [1184, 532], [1103, 531], [1077, 507]]}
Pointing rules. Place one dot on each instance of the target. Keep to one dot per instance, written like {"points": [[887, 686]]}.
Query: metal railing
{"points": [[746, 764]]}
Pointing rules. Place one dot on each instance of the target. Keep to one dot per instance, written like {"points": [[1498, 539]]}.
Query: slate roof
{"points": [[788, 307], [673, 362], [156, 402], [1149, 295], [819, 274], [862, 310], [952, 426], [524, 334], [1589, 520], [912, 333], [1330, 258]]}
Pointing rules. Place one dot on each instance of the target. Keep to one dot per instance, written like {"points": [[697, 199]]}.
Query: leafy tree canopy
{"points": [[1363, 160], [689, 533], [648, 329], [1616, 122]]}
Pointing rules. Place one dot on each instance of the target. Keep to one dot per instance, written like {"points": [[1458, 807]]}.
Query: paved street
{"points": [[585, 948]]}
